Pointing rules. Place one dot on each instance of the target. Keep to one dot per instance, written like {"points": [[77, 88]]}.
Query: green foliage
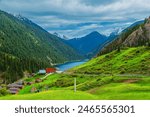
{"points": [[121, 74], [47, 83], [99, 87], [26, 46], [53, 95], [65, 82], [3, 92], [13, 67], [127, 61], [100, 78]]}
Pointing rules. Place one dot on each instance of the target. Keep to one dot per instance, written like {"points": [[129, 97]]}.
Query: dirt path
{"points": [[46, 76], [131, 81]]}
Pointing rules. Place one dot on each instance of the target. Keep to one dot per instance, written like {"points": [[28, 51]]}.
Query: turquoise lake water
{"points": [[66, 66]]}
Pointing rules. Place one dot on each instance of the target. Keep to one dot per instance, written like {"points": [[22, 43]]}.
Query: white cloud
{"points": [[75, 7], [62, 13], [92, 26]]}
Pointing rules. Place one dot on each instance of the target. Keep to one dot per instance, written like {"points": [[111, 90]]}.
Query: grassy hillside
{"points": [[53, 95], [98, 87], [126, 78], [126, 61]]}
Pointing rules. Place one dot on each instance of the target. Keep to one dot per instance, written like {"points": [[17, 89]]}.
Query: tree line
{"points": [[12, 68]]}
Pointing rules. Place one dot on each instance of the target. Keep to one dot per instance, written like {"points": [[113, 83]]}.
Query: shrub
{"points": [[122, 71], [3, 92], [64, 82], [137, 51]]}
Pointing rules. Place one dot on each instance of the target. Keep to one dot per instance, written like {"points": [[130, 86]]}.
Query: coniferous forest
{"points": [[24, 46]]}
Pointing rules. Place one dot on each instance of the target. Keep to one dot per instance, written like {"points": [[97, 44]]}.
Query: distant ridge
{"points": [[88, 44]]}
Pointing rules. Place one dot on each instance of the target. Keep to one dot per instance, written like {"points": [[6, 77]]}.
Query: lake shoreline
{"points": [[57, 64], [68, 65]]}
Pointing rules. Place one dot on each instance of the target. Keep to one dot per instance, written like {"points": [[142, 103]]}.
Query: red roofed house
{"points": [[50, 70]]}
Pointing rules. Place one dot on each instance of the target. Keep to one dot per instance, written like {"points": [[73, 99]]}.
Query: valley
{"points": [[26, 47], [37, 65], [89, 44]]}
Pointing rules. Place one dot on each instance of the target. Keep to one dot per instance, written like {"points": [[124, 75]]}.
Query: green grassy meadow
{"points": [[123, 75]]}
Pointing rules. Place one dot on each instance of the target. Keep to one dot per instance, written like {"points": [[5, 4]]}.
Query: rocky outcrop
{"points": [[138, 35]]}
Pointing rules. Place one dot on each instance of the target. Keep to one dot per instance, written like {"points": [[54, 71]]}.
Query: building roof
{"points": [[42, 71], [48, 70], [13, 92], [14, 89], [15, 85], [19, 82]]}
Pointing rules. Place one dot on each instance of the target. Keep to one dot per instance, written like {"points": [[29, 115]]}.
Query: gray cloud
{"points": [[79, 16]]}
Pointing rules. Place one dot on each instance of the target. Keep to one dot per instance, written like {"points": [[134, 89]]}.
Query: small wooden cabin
{"points": [[20, 82], [14, 85]]}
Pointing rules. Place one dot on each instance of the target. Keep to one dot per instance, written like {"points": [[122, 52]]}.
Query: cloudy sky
{"points": [[75, 18]]}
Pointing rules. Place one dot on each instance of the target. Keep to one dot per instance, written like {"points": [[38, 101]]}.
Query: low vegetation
{"points": [[53, 95], [126, 61], [117, 75]]}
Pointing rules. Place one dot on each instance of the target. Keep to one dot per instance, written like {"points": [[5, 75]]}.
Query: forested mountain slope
{"points": [[22, 41]]}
